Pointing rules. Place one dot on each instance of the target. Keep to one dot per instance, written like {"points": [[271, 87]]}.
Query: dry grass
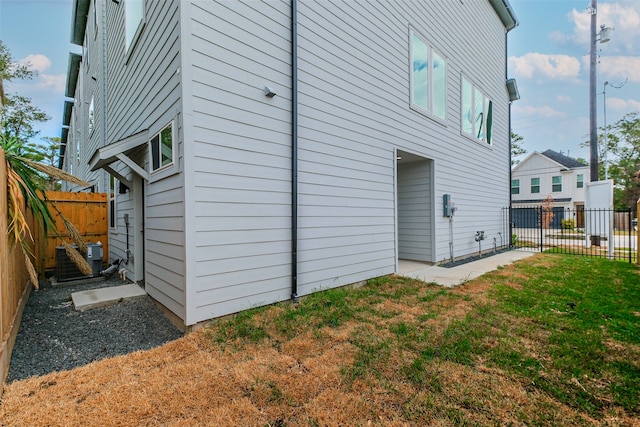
{"points": [[268, 369]]}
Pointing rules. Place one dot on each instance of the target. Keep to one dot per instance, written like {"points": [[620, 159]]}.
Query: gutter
{"points": [[294, 150]]}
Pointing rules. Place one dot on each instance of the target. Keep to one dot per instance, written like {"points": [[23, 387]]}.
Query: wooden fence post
{"points": [[4, 242], [638, 233]]}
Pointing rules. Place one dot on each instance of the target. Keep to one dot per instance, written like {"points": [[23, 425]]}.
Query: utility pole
{"points": [[593, 124]]}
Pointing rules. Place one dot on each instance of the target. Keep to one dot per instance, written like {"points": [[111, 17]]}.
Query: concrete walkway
{"points": [[462, 273], [94, 298]]}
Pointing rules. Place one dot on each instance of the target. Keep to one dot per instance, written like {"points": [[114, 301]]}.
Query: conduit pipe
{"points": [[294, 150]]}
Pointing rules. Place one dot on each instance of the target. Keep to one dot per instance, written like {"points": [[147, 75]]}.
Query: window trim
{"points": [[553, 185], [158, 134], [487, 106], [431, 99]]}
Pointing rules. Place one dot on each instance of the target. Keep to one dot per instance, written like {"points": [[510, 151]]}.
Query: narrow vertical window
{"points": [[133, 15], [556, 184], [113, 183], [515, 186], [162, 148], [580, 181], [91, 117], [428, 78]]}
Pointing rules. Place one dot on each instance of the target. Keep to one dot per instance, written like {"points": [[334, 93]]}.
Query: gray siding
{"points": [[239, 198], [415, 211], [354, 96], [144, 93]]}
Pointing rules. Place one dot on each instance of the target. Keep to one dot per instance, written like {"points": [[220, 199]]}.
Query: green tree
{"points": [[623, 147], [516, 147], [25, 174]]}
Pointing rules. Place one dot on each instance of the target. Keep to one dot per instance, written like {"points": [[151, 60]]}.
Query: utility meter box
{"points": [[447, 205]]}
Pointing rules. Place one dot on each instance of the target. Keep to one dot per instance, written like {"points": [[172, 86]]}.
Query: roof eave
{"points": [[79, 21], [506, 14], [66, 115], [73, 70]]}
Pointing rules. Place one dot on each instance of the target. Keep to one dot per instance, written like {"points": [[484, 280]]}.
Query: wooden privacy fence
{"points": [[14, 280], [88, 212]]}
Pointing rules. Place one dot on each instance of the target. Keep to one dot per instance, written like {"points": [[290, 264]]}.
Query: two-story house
{"points": [[264, 150], [550, 175]]}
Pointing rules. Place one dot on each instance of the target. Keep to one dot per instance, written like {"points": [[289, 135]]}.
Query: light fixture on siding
{"points": [[512, 88], [268, 92]]}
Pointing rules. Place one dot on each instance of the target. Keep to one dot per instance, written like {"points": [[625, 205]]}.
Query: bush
{"points": [[568, 224]]}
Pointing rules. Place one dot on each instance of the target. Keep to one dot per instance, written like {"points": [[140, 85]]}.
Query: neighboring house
{"points": [[261, 151], [550, 174]]}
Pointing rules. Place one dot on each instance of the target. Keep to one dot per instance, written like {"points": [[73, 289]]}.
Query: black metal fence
{"points": [[605, 233]]}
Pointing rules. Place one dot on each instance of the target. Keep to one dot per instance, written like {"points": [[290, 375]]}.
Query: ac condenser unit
{"points": [[67, 270]]}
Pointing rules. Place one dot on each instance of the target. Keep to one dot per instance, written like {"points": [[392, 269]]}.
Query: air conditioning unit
{"points": [[67, 270]]}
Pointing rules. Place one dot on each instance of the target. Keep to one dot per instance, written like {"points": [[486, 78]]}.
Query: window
{"points": [[515, 186], [580, 181], [535, 185], [477, 112], [95, 20], [556, 184], [91, 117], [162, 148], [113, 185], [133, 16], [428, 78]]}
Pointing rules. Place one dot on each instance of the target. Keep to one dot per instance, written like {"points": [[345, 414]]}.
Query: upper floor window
{"points": [[162, 148], [91, 117], [134, 17], [515, 186], [477, 112], [556, 184], [428, 78], [580, 181], [535, 185]]}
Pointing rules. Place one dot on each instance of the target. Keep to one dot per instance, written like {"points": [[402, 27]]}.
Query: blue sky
{"points": [[548, 55]]}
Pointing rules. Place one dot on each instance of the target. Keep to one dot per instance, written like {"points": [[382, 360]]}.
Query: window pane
{"points": [[580, 181], [133, 14], [155, 155], [467, 107], [556, 184], [166, 146], [439, 86], [515, 186], [535, 185], [478, 108], [489, 121], [420, 70]]}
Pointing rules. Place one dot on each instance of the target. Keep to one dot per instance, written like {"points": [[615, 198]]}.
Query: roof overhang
{"points": [[79, 20], [73, 70], [105, 156], [64, 136], [505, 12], [66, 114]]}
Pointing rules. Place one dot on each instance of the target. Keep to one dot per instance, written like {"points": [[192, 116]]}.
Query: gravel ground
{"points": [[53, 336]]}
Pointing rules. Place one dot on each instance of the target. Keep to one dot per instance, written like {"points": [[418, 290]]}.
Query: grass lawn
{"points": [[550, 340]]}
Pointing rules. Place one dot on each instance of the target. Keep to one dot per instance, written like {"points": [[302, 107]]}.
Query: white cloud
{"points": [[563, 99], [620, 68], [38, 62], [623, 105], [535, 64], [623, 16], [531, 111]]}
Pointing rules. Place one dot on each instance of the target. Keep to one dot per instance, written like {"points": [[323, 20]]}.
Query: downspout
{"points": [[294, 150]]}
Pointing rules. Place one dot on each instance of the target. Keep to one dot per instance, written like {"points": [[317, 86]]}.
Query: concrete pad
{"points": [[85, 300], [463, 273]]}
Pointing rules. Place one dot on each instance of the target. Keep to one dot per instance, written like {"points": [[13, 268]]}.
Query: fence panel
{"points": [[602, 233], [14, 280], [88, 212]]}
